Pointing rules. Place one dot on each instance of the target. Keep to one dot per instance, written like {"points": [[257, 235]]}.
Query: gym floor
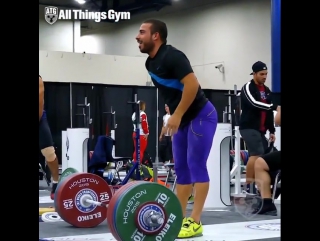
{"points": [[228, 224]]}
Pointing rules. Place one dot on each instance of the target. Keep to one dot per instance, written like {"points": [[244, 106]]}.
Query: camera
{"points": [[219, 66]]}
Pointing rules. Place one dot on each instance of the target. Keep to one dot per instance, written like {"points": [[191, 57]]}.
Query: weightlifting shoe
{"points": [[190, 229], [53, 189], [184, 220], [267, 207]]}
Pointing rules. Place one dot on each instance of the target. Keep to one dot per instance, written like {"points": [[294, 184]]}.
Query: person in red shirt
{"points": [[144, 131]]}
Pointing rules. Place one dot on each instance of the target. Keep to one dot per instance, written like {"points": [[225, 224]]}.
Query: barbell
{"points": [[138, 211]]}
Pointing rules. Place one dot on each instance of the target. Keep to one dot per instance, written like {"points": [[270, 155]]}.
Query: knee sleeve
{"points": [[49, 153]]}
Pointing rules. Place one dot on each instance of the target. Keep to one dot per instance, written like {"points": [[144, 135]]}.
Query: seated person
{"points": [[263, 166]]}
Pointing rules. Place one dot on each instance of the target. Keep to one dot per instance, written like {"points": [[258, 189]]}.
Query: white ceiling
{"points": [[177, 4]]}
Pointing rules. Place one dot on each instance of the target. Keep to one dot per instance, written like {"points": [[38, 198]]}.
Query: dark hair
{"points": [[160, 27], [142, 104]]}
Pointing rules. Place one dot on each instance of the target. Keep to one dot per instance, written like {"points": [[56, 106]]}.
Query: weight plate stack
{"points": [[50, 217]]}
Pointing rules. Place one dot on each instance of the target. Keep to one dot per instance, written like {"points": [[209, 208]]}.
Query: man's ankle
{"points": [[251, 188]]}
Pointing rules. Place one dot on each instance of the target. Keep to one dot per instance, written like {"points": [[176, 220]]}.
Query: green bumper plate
{"points": [[148, 212]]}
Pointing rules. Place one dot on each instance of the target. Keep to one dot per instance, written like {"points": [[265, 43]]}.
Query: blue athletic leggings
{"points": [[192, 145]]}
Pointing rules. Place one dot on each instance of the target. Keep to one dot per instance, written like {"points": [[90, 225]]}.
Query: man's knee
{"points": [[49, 153], [261, 165]]}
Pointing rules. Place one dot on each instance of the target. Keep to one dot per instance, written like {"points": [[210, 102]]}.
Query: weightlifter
{"points": [[264, 165], [256, 116], [193, 119], [46, 142]]}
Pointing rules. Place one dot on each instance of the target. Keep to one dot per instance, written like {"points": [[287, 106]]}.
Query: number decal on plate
{"points": [[104, 197], [68, 204]]}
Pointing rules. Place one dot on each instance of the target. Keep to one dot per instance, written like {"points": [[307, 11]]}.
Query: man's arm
{"points": [[162, 129], [271, 127], [277, 118], [247, 97], [144, 124], [182, 71], [41, 97]]}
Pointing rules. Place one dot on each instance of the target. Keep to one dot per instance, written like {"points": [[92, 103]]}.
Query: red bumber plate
{"points": [[72, 193]]}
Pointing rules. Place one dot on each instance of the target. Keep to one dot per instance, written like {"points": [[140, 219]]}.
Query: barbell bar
{"points": [[95, 203]]}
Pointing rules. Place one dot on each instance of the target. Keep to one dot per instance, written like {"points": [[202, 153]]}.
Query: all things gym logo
{"points": [[53, 14]]}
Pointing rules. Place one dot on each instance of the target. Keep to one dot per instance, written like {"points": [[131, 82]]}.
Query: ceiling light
{"points": [[81, 1]]}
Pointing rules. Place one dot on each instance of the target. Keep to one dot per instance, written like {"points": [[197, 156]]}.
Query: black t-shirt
{"points": [[167, 68]]}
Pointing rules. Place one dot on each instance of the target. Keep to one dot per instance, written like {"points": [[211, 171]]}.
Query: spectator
{"points": [[256, 117], [144, 131]]}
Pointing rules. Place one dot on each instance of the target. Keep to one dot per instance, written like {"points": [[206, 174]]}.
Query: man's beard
{"points": [[263, 81], [147, 48]]}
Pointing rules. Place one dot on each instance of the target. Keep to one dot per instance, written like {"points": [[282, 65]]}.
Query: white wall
{"points": [[236, 33], [61, 36], [92, 68]]}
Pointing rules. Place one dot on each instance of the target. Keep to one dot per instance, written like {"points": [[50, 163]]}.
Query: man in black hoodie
{"points": [[257, 116]]}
